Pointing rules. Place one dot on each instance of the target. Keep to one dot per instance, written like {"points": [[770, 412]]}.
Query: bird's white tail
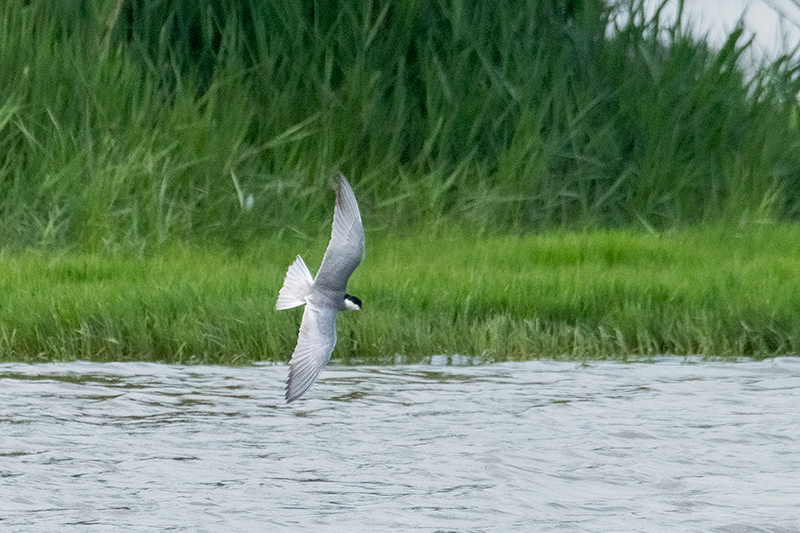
{"points": [[296, 286]]}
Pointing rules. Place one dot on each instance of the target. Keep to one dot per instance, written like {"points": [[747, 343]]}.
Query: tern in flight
{"points": [[325, 295]]}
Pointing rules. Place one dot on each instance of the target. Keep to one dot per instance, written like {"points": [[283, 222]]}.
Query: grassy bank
{"points": [[574, 296], [162, 162]]}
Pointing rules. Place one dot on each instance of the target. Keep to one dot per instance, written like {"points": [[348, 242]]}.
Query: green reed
{"points": [[156, 123]]}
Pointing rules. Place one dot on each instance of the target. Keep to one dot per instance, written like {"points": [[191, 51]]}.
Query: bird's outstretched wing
{"points": [[346, 247], [314, 346]]}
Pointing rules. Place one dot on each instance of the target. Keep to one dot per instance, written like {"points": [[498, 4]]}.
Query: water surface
{"points": [[537, 446]]}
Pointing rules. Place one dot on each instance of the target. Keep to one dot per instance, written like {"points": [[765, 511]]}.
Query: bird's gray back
{"points": [[322, 297]]}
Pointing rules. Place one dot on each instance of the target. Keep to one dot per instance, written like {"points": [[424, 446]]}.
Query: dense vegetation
{"points": [[156, 120], [161, 162]]}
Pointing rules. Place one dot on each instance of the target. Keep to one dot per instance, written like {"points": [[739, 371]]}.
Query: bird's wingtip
{"points": [[341, 181]]}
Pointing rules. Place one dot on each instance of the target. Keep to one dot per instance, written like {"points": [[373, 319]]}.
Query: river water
{"points": [[536, 446]]}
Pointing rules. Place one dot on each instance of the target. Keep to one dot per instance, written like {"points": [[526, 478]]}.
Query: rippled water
{"points": [[538, 446]]}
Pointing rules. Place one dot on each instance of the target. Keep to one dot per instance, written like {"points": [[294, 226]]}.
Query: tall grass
{"points": [[154, 123], [573, 296]]}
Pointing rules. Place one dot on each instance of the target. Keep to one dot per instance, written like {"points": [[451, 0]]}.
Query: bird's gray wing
{"points": [[346, 247], [314, 346]]}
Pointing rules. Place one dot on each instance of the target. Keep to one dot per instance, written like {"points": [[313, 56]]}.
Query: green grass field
{"points": [[536, 180], [581, 296]]}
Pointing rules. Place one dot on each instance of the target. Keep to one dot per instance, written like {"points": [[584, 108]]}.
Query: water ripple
{"points": [[537, 446]]}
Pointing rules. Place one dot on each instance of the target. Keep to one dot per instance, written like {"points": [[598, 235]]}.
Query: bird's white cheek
{"points": [[351, 306]]}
